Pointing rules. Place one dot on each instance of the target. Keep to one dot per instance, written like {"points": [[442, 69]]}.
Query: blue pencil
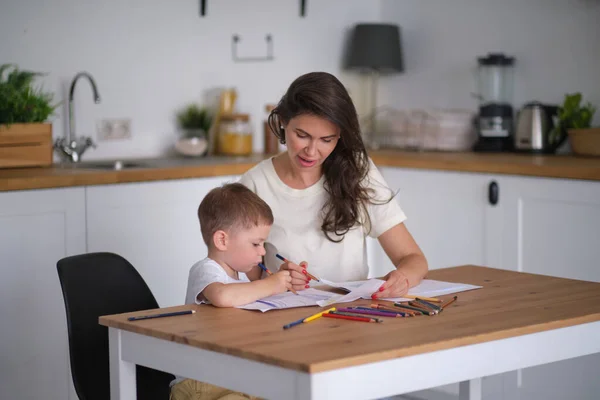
{"points": [[262, 266], [291, 324]]}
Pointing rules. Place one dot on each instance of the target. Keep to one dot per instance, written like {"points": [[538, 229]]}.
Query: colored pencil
{"points": [[428, 304], [361, 319], [307, 319], [369, 312], [395, 312], [446, 304], [311, 276], [392, 309], [409, 307], [262, 266], [422, 306], [430, 299], [292, 324], [317, 315], [351, 314], [169, 314]]}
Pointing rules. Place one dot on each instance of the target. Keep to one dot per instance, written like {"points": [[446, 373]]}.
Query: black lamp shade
{"points": [[375, 47]]}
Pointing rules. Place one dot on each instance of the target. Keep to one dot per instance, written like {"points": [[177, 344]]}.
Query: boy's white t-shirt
{"points": [[202, 274], [205, 272], [296, 232]]}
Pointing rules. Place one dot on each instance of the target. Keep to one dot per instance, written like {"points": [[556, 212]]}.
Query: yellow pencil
{"points": [[313, 317], [430, 299]]}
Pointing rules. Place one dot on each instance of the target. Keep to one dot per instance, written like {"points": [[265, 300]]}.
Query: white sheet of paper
{"points": [[364, 290], [359, 289], [433, 288], [304, 298], [352, 285]]}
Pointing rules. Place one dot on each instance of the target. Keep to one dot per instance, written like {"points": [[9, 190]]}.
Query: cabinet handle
{"points": [[493, 193]]}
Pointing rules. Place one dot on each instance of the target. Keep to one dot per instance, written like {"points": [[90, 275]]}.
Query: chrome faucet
{"points": [[71, 147]]}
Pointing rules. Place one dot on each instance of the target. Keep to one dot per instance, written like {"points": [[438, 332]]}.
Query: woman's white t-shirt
{"points": [[296, 232]]}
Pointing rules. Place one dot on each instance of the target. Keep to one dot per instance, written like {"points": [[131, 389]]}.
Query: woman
{"points": [[327, 196]]}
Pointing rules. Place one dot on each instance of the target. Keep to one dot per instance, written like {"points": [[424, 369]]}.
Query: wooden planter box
{"points": [[25, 145]]}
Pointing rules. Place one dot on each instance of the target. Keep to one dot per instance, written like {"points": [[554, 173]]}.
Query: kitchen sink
{"points": [[159, 162], [117, 165]]}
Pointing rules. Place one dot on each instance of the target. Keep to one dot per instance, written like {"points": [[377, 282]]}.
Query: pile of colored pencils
{"points": [[413, 308]]}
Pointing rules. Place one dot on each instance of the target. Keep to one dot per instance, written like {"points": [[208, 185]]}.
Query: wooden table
{"points": [[517, 320]]}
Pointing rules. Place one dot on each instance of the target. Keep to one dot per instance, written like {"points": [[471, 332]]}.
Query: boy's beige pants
{"points": [[189, 389]]}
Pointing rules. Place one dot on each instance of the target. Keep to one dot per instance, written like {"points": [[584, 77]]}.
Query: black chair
{"points": [[98, 284]]}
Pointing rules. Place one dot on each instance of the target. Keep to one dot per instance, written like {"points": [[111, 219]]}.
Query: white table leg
{"points": [[122, 373], [470, 390]]}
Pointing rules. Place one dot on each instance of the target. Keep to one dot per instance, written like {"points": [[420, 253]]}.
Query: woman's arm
{"points": [[411, 265]]}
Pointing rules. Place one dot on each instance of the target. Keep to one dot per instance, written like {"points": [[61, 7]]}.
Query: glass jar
{"points": [[235, 135]]}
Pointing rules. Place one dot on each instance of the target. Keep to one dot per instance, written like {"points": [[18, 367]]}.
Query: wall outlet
{"points": [[113, 129]]}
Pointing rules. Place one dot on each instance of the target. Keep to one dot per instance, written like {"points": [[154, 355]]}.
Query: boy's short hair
{"points": [[230, 207]]}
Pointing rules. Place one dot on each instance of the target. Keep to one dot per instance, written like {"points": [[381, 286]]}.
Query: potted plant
{"points": [[575, 119], [194, 123], [25, 137]]}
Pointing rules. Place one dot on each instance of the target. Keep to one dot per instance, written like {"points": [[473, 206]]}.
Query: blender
{"points": [[495, 121]]}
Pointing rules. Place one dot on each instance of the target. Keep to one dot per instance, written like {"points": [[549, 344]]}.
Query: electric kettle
{"points": [[535, 122]]}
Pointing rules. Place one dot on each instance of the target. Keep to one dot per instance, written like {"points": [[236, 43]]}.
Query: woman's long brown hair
{"points": [[323, 95]]}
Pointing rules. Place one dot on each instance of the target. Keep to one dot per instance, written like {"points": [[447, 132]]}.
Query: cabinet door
{"points": [[37, 228], [154, 225], [551, 227], [446, 214]]}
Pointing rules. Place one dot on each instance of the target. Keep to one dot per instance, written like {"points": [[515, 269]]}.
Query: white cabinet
{"points": [[539, 225], [37, 228], [552, 227], [154, 225], [448, 214]]}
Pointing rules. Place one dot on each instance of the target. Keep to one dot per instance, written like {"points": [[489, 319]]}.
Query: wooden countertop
{"points": [[568, 167], [509, 304]]}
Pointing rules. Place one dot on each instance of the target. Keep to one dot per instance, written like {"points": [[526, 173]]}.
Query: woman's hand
{"points": [[396, 285], [298, 272]]}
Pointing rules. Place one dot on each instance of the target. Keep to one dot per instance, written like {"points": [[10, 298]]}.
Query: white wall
{"points": [[556, 44], [150, 57]]}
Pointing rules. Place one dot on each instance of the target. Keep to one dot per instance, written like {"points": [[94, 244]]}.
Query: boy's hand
{"points": [[298, 273], [282, 281]]}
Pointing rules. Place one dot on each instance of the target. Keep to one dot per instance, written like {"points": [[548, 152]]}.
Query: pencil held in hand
{"points": [[262, 266], [311, 276]]}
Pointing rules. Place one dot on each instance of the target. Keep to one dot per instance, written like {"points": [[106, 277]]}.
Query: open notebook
{"points": [[356, 290]]}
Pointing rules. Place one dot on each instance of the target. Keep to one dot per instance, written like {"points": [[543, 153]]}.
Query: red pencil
{"points": [[361, 319]]}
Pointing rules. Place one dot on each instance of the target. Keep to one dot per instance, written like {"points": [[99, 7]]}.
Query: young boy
{"points": [[235, 223]]}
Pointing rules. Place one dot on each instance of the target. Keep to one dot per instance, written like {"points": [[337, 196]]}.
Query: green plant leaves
{"points": [[573, 115], [20, 102], [194, 117]]}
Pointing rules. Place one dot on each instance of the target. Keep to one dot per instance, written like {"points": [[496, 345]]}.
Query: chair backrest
{"points": [[98, 284]]}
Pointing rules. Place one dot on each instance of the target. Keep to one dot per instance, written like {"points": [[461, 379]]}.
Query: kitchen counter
{"points": [[566, 167]]}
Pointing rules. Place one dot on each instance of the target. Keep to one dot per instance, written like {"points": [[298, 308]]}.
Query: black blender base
{"points": [[493, 145]]}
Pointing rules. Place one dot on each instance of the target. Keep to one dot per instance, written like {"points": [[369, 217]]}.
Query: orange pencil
{"points": [[446, 304]]}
